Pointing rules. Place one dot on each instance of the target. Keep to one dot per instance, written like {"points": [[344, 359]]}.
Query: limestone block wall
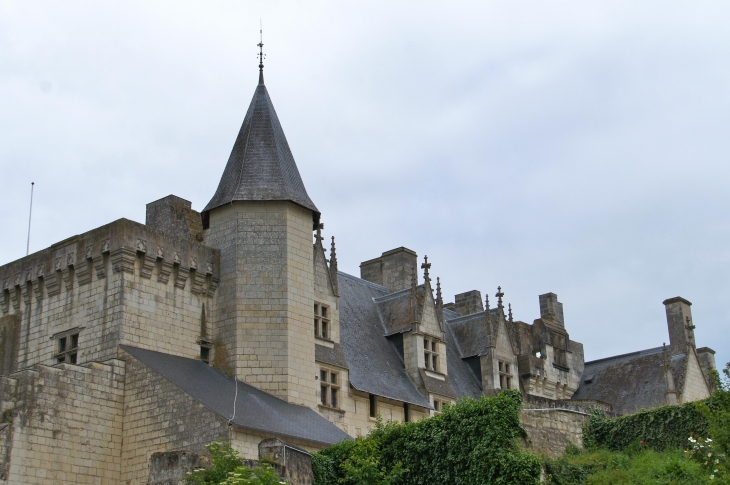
{"points": [[550, 431], [120, 283], [264, 311], [161, 417], [695, 386], [356, 421], [66, 423]]}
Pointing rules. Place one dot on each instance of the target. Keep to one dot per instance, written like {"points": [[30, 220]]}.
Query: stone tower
{"points": [[262, 219]]}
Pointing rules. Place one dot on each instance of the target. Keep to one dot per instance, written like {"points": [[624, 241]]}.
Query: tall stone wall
{"points": [[66, 423], [552, 424], [120, 283], [161, 417]]}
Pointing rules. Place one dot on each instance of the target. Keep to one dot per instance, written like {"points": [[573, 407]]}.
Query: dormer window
{"points": [[505, 375], [430, 354], [322, 327]]}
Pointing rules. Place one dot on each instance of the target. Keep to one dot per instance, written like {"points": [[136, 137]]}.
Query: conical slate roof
{"points": [[261, 165]]}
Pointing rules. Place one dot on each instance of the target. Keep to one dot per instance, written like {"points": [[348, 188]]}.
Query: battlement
{"points": [[130, 247]]}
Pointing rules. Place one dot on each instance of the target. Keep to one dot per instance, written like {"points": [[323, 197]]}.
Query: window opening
{"points": [[505, 375], [329, 387], [321, 321], [430, 354], [67, 348], [373, 412], [406, 413]]}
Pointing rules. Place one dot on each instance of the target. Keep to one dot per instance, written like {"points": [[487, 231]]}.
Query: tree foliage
{"points": [[227, 469], [475, 441]]}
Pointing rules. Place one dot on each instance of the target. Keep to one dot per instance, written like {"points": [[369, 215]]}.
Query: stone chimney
{"points": [[549, 305], [393, 269], [175, 216], [468, 303], [679, 321]]}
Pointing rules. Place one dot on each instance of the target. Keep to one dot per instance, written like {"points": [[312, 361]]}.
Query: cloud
{"points": [[575, 148]]}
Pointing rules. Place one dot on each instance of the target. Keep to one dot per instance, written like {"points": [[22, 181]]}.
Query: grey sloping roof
{"points": [[327, 355], [255, 409], [396, 310], [375, 366], [261, 165], [471, 334], [462, 379], [437, 386], [629, 382]]}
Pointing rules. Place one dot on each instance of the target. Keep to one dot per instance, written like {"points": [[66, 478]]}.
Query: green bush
{"points": [[226, 469], [471, 442], [664, 428]]}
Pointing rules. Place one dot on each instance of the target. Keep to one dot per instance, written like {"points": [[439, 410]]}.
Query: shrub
{"points": [[472, 442], [226, 469], [660, 429]]}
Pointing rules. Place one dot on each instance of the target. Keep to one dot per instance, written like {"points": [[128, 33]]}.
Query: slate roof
{"points": [[629, 382], [374, 363], [333, 356], [261, 165], [369, 312], [255, 409], [471, 334]]}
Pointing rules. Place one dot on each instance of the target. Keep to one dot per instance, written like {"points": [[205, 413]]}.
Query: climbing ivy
{"points": [[475, 441], [667, 427]]}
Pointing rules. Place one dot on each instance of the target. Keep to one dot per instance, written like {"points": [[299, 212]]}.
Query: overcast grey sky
{"points": [[574, 147]]}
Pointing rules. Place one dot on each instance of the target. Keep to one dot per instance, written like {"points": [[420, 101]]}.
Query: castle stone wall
{"points": [[161, 417], [66, 423], [120, 283]]}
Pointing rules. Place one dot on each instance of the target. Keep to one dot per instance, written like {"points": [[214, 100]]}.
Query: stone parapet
{"points": [[75, 260]]}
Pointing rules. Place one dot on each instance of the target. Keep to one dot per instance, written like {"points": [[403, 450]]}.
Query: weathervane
{"points": [[261, 54]]}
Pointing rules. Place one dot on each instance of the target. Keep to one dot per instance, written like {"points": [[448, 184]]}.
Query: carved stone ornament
{"points": [[17, 279], [39, 274], [89, 252], [57, 264], [141, 245], [176, 258], [194, 263], [70, 258], [105, 246], [161, 252], [6, 284], [209, 268], [29, 275]]}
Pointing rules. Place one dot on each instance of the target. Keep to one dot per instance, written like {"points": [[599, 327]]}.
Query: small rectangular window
{"points": [[321, 321], [505, 376], [406, 413], [373, 411], [328, 388], [437, 405], [67, 348], [430, 354]]}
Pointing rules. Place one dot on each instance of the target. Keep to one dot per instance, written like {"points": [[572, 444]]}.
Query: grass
{"points": [[634, 466]]}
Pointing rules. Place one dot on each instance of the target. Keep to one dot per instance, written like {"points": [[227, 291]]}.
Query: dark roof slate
{"points": [[437, 386], [375, 366], [255, 409], [333, 356], [261, 165], [629, 382], [471, 334], [462, 379]]}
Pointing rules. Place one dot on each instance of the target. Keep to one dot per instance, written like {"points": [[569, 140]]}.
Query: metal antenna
{"points": [[30, 215]]}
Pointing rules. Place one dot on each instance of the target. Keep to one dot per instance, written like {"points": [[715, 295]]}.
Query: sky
{"points": [[579, 148]]}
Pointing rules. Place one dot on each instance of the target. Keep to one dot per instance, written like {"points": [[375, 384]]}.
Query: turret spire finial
{"points": [[439, 298], [499, 296], [509, 306], [425, 267], [261, 55]]}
